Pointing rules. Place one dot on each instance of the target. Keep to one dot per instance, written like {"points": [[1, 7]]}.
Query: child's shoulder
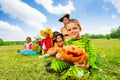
{"points": [[28, 43], [84, 38]]}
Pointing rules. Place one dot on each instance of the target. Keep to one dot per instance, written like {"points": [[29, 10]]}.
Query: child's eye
{"points": [[74, 27], [68, 29]]}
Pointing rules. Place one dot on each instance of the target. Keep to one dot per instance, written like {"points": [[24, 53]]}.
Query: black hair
{"points": [[55, 34]]}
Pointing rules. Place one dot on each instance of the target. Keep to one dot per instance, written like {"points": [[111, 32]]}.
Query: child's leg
{"points": [[43, 51], [59, 65]]}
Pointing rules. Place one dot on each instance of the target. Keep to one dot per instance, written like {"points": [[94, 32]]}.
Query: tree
{"points": [[107, 36], [1, 42], [115, 33], [86, 35]]}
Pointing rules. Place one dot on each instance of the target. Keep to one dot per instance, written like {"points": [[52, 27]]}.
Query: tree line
{"points": [[11, 42], [114, 34]]}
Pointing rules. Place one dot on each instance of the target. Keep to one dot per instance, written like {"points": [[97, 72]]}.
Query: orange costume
{"points": [[55, 48], [73, 54]]}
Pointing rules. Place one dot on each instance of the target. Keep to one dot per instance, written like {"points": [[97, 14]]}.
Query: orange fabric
{"points": [[73, 53], [52, 48], [34, 47]]}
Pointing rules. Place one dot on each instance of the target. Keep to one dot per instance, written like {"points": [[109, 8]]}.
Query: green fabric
{"points": [[73, 71], [88, 46], [39, 50], [59, 65], [76, 73]]}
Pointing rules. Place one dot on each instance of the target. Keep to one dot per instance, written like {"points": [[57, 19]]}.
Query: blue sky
{"points": [[22, 18]]}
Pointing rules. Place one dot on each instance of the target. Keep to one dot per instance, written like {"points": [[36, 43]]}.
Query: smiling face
{"points": [[59, 38], [46, 34], [73, 30], [28, 39]]}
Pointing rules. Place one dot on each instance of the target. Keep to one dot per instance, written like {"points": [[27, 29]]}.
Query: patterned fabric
{"points": [[88, 46], [59, 65], [75, 72]]}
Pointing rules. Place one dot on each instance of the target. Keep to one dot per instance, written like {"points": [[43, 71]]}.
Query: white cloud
{"points": [[116, 4], [99, 30], [11, 32], [103, 30], [20, 10], [113, 16], [58, 9]]}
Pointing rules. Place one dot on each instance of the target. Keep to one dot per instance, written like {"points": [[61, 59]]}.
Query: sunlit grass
{"points": [[19, 67]]}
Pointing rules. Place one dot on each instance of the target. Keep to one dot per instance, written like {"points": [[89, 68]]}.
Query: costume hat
{"points": [[61, 19], [47, 30]]}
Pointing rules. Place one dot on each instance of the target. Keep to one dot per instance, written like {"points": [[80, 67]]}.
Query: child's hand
{"points": [[61, 44], [81, 65], [58, 56]]}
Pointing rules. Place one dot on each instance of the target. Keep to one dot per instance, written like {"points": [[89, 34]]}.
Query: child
{"points": [[64, 20], [73, 29], [27, 48], [36, 47], [46, 42], [28, 43], [57, 42]]}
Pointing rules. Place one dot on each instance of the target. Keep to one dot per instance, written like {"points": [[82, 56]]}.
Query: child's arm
{"points": [[92, 55], [24, 46], [30, 46], [52, 51]]}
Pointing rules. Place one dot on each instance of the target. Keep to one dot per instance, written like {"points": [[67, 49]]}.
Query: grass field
{"points": [[18, 67]]}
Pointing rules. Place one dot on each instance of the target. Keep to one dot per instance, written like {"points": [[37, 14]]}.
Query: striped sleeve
{"points": [[92, 55]]}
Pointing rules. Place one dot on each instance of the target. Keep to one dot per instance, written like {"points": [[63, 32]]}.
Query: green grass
{"points": [[19, 67]]}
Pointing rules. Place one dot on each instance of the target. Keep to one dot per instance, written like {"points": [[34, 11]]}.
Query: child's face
{"points": [[28, 39], [59, 38], [65, 20], [46, 34], [73, 30], [37, 40]]}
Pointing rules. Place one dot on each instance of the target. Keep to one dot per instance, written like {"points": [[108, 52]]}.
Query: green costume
{"points": [[74, 71], [89, 49]]}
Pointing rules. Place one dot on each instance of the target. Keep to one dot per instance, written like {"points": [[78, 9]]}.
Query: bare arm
{"points": [[52, 51]]}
